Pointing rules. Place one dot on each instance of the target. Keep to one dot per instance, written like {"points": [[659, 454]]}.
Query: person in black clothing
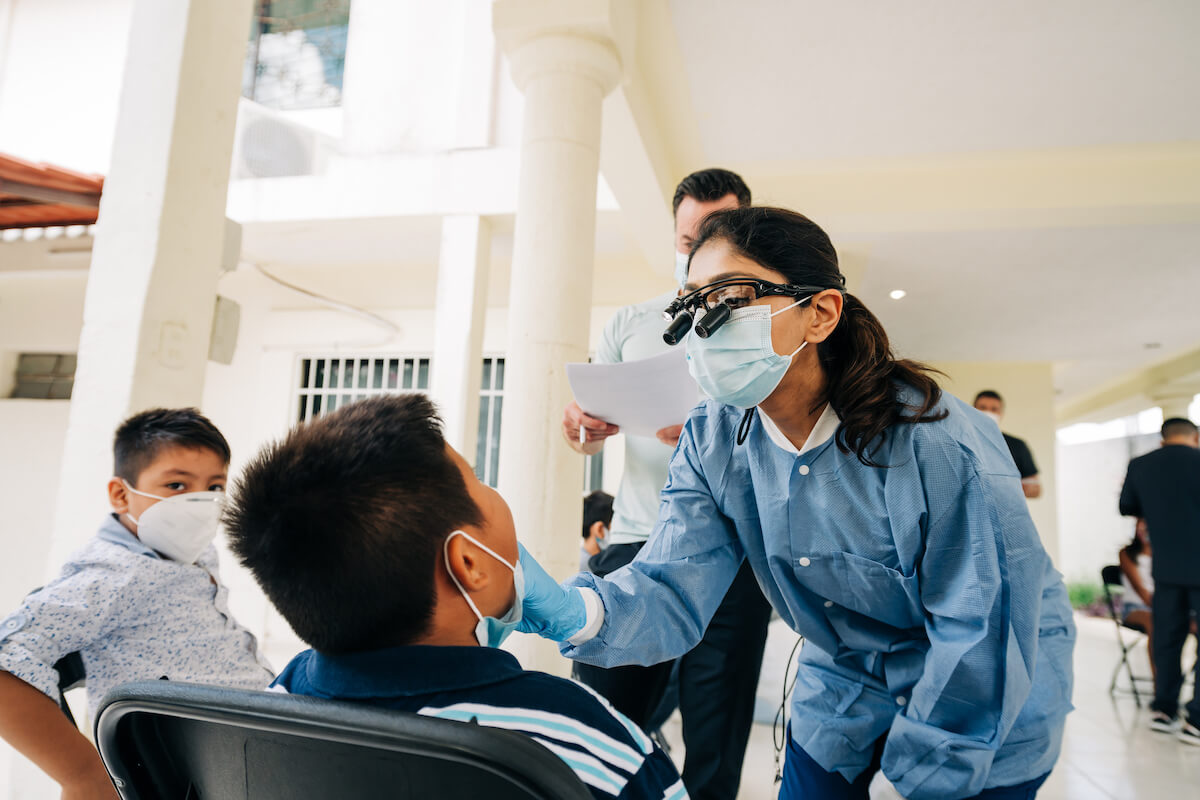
{"points": [[991, 403], [1163, 487]]}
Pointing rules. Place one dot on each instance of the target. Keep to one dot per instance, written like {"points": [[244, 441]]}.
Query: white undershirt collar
{"points": [[822, 432]]}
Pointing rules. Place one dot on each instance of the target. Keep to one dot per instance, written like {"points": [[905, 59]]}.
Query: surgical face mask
{"points": [[490, 631], [181, 526], [681, 268], [995, 417], [737, 365]]}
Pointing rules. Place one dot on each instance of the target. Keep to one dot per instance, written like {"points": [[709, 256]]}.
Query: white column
{"points": [[1174, 404], [565, 76], [152, 285], [458, 332]]}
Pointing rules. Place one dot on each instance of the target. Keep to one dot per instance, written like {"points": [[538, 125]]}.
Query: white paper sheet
{"points": [[642, 397]]}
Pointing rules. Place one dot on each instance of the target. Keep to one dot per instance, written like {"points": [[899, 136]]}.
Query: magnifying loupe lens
{"points": [[678, 328], [713, 320]]}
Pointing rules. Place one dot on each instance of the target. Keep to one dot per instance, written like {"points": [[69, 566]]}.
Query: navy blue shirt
{"points": [[608, 752]]}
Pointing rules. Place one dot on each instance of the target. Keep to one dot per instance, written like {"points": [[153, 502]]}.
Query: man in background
{"points": [[1163, 487], [718, 679], [992, 404]]}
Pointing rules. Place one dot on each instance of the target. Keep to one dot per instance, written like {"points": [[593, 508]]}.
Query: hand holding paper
{"points": [[642, 397]]}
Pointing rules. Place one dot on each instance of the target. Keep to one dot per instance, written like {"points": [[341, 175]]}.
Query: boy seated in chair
{"points": [[401, 570], [141, 600]]}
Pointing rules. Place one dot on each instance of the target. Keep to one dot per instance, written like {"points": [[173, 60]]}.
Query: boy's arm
{"points": [[34, 724]]}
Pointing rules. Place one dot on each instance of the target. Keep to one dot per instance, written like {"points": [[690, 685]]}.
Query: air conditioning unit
{"points": [[269, 145]]}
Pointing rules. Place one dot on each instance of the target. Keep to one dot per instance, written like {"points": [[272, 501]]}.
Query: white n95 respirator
{"points": [[182, 526]]}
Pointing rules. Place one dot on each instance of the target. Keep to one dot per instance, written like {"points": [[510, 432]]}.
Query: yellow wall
{"points": [[1028, 392]]}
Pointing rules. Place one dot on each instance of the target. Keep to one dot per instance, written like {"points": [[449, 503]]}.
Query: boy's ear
{"points": [[118, 496], [468, 563], [598, 531]]}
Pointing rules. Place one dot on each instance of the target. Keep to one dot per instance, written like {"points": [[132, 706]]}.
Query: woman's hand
{"points": [[548, 609]]}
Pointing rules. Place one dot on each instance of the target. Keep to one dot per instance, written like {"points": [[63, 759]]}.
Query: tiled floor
{"points": [[1109, 753]]}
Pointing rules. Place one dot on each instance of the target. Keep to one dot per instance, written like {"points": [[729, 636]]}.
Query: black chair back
{"points": [[170, 740]]}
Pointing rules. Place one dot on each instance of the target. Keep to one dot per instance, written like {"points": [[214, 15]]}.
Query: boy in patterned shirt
{"points": [[140, 601], [389, 557]]}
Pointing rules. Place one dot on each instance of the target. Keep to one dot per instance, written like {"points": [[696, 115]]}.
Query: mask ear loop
{"points": [[481, 546], [453, 577]]}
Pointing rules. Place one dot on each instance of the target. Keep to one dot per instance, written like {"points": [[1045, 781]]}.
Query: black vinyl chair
{"points": [[180, 741], [1110, 578], [71, 675]]}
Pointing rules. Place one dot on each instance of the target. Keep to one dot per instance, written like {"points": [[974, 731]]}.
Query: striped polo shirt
{"points": [[610, 754]]}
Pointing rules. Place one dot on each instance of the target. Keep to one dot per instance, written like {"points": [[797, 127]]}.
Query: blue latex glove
{"points": [[548, 609]]}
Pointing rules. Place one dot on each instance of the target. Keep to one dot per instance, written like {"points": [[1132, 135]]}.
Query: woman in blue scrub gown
{"points": [[883, 519]]}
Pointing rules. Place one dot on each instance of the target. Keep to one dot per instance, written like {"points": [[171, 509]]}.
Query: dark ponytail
{"points": [[865, 378]]}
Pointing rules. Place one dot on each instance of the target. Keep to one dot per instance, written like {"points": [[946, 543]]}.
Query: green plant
{"points": [[1084, 594]]}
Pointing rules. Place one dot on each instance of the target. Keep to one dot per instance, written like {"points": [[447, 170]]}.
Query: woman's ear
{"points": [[827, 310], [118, 497], [466, 562]]}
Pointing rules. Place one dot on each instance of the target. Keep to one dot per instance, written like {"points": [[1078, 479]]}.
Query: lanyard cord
{"points": [[744, 427], [779, 728]]}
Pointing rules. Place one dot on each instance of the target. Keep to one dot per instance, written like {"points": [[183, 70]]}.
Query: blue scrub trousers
{"points": [[804, 778]]}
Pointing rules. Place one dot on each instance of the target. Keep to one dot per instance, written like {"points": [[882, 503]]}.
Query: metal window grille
{"points": [[327, 383], [491, 407], [45, 376], [593, 472], [296, 55]]}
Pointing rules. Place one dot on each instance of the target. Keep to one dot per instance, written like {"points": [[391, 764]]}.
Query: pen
{"points": [[582, 434]]}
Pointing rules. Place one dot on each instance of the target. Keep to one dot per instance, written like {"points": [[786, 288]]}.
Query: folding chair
{"points": [[186, 742], [1110, 577]]}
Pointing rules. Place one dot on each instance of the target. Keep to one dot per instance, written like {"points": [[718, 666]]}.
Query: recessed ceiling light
{"points": [[896, 294]]}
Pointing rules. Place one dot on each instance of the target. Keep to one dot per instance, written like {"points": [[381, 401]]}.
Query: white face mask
{"points": [[681, 268], [995, 417], [180, 527], [490, 631]]}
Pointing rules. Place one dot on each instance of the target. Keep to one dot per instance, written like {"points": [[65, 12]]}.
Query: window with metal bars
{"points": [[327, 383]]}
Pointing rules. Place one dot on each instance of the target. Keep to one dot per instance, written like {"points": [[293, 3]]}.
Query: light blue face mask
{"points": [[490, 631], [737, 365], [681, 268]]}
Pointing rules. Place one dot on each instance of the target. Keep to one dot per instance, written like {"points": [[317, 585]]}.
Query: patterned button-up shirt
{"points": [[132, 615]]}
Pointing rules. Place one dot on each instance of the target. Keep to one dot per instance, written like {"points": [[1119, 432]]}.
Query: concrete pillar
{"points": [[151, 291], [1175, 404], [458, 331], [564, 67]]}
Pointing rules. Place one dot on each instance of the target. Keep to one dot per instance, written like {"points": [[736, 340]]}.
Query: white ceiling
{"points": [[783, 80], [815, 101], [1091, 299]]}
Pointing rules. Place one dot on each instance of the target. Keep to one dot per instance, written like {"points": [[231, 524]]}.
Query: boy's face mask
{"points": [[490, 631], [180, 527]]}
